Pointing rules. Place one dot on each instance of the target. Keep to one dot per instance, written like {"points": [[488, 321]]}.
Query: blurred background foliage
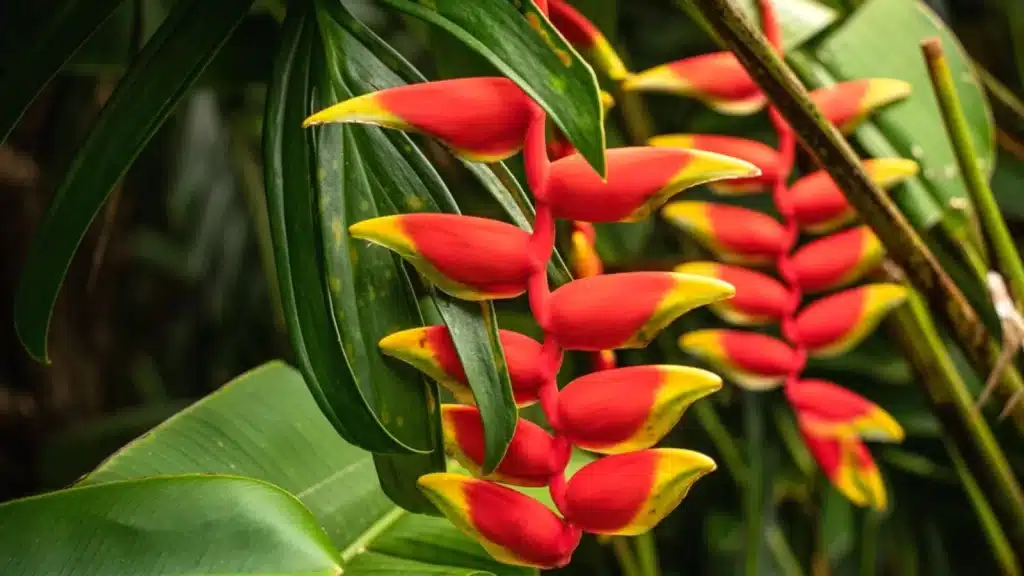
{"points": [[169, 297]]}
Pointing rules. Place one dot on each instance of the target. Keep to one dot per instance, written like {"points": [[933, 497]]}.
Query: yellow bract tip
{"points": [[672, 141], [888, 172]]}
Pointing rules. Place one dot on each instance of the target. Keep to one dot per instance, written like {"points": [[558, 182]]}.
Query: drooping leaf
{"points": [[185, 524], [65, 28], [380, 172], [189, 38], [266, 425], [525, 47], [882, 40], [295, 231]]}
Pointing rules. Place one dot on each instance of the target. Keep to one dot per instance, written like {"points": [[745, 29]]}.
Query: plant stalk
{"points": [[953, 406], [754, 425], [1002, 246], [835, 155]]}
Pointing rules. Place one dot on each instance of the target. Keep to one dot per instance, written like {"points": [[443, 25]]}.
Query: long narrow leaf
{"points": [[186, 42]]}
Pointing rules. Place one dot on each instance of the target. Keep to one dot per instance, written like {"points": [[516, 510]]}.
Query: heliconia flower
{"points": [[531, 458], [583, 258], [828, 409], [626, 310], [838, 259], [584, 36], [482, 119], [752, 360], [838, 322], [849, 466], [627, 409], [468, 257], [760, 299], [639, 180], [819, 205], [847, 104], [513, 528], [628, 494], [736, 235], [430, 349], [764, 157], [716, 79]]}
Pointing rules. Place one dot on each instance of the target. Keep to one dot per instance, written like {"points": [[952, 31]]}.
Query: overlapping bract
{"points": [[833, 420], [622, 412]]}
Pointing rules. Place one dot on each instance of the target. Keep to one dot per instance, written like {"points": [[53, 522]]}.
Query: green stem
{"points": [[953, 406], [786, 561], [726, 447], [870, 524], [834, 154], [627, 562], [753, 421], [1005, 252], [1001, 548], [1006, 107], [647, 554]]}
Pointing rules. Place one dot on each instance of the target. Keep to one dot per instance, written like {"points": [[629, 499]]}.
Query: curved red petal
{"points": [[482, 119], [836, 323], [831, 410], [717, 79], [531, 458], [752, 360], [591, 314], [737, 235], [760, 299], [468, 257], [837, 260], [639, 180], [764, 157], [636, 405]]}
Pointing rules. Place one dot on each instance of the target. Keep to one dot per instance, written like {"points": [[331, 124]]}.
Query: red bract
{"points": [[819, 206], [717, 79], [639, 180], [753, 361], [513, 528], [628, 494], [591, 314], [837, 260], [431, 350], [531, 460], [734, 234], [481, 119], [468, 257], [847, 104], [835, 324], [627, 409], [831, 410], [765, 158], [830, 417], [760, 299]]}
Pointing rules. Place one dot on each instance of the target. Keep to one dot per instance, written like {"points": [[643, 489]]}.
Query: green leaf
{"points": [[67, 26], [291, 199], [479, 349], [188, 524], [882, 39], [171, 60], [266, 425], [543, 64]]}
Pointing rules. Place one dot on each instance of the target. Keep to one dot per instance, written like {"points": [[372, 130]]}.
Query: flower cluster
{"points": [[833, 420], [621, 412]]}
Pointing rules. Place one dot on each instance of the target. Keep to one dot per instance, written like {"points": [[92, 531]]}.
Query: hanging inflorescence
{"points": [[833, 421], [621, 412]]}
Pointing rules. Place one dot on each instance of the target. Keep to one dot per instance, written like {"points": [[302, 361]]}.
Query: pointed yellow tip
{"points": [[704, 343], [691, 383], [399, 344], [687, 214], [657, 79], [444, 485], [883, 91], [364, 109], [386, 231], [680, 462], [672, 141], [705, 167], [880, 426], [884, 297], [888, 172]]}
